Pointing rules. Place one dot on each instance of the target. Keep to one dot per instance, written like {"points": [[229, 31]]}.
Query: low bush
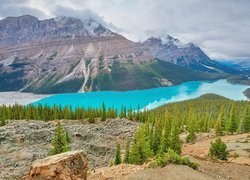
{"points": [[218, 150], [172, 157]]}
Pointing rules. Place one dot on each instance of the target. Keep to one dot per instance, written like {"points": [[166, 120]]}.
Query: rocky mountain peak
{"points": [[153, 41], [167, 41], [26, 28]]}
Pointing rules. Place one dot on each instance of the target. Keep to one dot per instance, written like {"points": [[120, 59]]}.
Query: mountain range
{"points": [[66, 54]]}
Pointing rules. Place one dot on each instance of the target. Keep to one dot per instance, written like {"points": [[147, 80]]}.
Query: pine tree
{"points": [[127, 152], [59, 143], [165, 139], [175, 143], [103, 112], [246, 121], [140, 151], [191, 136], [218, 128], [118, 154], [223, 119], [157, 136], [232, 127], [218, 150]]}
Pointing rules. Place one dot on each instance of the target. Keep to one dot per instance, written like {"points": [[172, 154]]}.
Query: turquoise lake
{"points": [[149, 98]]}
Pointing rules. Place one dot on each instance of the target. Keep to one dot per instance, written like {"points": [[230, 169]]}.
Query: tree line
{"points": [[47, 113]]}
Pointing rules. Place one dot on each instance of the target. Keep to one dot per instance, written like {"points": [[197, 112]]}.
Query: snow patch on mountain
{"points": [[209, 67]]}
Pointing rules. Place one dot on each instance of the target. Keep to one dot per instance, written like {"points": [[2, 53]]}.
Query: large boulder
{"points": [[66, 166]]}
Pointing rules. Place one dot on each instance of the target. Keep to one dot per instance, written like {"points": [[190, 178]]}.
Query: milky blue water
{"points": [[149, 98]]}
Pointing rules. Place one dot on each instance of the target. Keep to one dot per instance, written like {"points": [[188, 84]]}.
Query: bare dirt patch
{"points": [[238, 144]]}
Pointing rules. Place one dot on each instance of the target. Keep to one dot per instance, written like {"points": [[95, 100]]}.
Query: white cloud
{"points": [[221, 28]]}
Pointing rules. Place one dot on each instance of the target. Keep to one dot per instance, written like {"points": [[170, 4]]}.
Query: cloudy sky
{"points": [[220, 27]]}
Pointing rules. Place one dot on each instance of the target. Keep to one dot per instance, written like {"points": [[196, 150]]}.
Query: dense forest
{"points": [[158, 137]]}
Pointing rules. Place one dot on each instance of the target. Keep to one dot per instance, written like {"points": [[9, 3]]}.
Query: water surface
{"points": [[149, 98]]}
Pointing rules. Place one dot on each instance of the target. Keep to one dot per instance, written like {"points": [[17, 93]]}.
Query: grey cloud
{"points": [[84, 14], [17, 8], [220, 27]]}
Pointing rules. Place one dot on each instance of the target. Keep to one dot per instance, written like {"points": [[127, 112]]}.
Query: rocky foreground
{"points": [[23, 142]]}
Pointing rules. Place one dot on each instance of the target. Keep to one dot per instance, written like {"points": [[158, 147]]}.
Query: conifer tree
{"points": [[127, 152], [59, 143], [232, 127], [191, 136], [103, 112], [118, 154], [140, 151], [246, 121], [150, 135], [175, 143], [223, 119], [218, 128], [165, 139], [156, 136]]}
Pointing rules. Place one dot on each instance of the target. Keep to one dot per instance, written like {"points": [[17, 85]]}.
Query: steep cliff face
{"points": [[66, 54]]}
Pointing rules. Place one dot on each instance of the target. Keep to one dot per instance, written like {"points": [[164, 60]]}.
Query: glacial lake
{"points": [[149, 98]]}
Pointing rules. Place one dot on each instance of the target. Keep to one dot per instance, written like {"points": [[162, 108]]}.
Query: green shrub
{"points": [[218, 150], [172, 157]]}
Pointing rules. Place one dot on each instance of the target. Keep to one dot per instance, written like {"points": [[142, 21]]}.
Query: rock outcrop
{"points": [[66, 166]]}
